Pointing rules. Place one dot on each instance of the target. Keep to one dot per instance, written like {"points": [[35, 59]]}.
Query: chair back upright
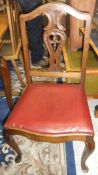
{"points": [[55, 37]]}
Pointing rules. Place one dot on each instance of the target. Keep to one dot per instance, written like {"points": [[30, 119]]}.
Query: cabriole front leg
{"points": [[89, 148]]}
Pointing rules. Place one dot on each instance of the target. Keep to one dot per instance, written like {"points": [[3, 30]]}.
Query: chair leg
{"points": [[11, 142], [89, 148], [6, 81]]}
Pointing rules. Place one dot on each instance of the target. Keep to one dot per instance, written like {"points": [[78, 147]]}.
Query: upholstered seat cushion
{"points": [[51, 109]]}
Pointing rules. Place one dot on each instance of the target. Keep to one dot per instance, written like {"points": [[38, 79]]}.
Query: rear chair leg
{"points": [[89, 148], [11, 142]]}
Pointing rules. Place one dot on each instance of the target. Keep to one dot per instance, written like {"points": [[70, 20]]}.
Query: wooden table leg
{"points": [[5, 74]]}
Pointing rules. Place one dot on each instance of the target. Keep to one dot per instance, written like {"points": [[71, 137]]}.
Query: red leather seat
{"points": [[51, 109]]}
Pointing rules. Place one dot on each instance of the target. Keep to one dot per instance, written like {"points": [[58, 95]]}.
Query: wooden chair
{"points": [[10, 47], [52, 112], [4, 70], [6, 79]]}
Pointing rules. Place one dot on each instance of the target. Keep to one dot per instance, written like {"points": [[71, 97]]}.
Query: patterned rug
{"points": [[40, 159]]}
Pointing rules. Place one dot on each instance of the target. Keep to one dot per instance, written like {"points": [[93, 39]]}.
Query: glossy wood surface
{"points": [[6, 79]]}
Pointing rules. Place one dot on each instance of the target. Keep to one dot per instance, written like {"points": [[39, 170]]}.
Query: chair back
{"points": [[55, 37]]}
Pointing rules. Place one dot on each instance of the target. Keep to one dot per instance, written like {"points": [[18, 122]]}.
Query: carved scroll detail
{"points": [[54, 38], [54, 20]]}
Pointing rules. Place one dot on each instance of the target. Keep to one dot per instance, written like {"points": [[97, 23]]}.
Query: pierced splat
{"points": [[54, 38]]}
